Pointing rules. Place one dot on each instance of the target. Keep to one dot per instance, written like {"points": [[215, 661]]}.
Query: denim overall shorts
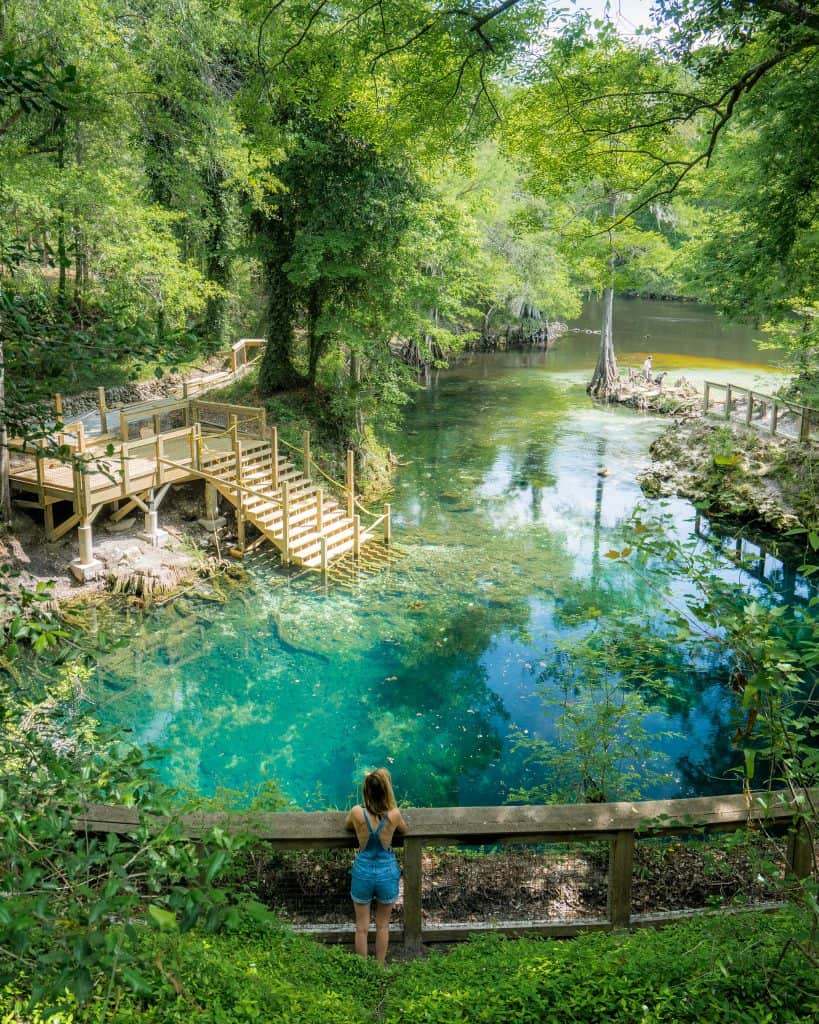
{"points": [[375, 871]]}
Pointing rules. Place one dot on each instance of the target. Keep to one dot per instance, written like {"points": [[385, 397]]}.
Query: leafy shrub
{"points": [[73, 901], [725, 969]]}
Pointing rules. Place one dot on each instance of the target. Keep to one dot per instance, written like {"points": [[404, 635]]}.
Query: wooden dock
{"points": [[277, 489]]}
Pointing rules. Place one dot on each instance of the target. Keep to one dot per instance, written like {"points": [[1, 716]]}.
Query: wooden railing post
{"points": [[80, 438], [233, 365], [38, 462], [356, 536], [323, 542], [413, 919], [804, 426], [706, 395], [350, 482], [158, 457], [274, 457], [123, 426], [192, 446], [285, 524], [727, 401], [123, 469], [306, 446], [621, 863], [103, 410], [799, 859], [319, 510], [749, 412], [387, 524], [58, 410]]}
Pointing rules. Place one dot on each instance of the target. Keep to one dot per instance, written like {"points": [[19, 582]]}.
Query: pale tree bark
{"points": [[605, 372]]}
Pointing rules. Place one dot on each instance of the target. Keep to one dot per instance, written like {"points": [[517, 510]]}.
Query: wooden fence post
{"points": [[103, 410], [285, 524], [727, 401], [621, 860], [350, 482], [123, 426], [799, 857], [774, 416], [804, 426], [413, 919], [123, 469], [58, 409], [356, 536], [319, 510], [306, 446], [706, 394], [387, 524], [749, 412], [323, 542], [274, 457]]}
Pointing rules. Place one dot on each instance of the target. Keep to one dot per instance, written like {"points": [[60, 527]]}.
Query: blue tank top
{"points": [[374, 850]]}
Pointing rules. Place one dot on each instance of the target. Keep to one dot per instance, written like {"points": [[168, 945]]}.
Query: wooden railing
{"points": [[621, 825], [773, 415]]}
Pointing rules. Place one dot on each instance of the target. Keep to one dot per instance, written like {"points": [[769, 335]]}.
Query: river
{"points": [[440, 666]]}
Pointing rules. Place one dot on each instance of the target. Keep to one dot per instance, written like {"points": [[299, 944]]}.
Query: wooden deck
{"points": [[277, 490]]}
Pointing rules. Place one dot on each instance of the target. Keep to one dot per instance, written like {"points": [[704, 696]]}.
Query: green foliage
{"points": [[25, 618], [597, 688], [717, 970], [74, 901]]}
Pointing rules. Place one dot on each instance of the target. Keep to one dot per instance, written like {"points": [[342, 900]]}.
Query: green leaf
{"points": [[138, 982], [750, 758], [165, 920]]}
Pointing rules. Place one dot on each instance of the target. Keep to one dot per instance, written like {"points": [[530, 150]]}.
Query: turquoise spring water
{"points": [[430, 667]]}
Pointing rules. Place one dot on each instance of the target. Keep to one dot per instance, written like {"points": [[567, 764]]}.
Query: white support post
{"points": [[211, 521], [152, 533], [86, 567]]}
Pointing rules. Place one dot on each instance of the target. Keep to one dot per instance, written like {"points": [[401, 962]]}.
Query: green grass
{"points": [[743, 969]]}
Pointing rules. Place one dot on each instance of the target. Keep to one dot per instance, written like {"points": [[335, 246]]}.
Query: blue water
{"points": [[438, 666]]}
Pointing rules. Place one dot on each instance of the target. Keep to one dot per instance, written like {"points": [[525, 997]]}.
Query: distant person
{"points": [[647, 369], [375, 870]]}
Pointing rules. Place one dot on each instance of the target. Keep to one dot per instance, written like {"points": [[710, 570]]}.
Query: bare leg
{"points": [[362, 927], [382, 930]]}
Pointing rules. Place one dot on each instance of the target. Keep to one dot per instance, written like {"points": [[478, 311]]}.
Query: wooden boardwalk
{"points": [[277, 490], [764, 412]]}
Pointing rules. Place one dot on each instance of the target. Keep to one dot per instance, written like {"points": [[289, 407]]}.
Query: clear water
{"points": [[427, 668]]}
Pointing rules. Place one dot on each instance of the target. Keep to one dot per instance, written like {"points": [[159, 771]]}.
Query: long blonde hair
{"points": [[377, 791]]}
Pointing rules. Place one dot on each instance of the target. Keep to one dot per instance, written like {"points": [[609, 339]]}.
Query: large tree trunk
{"points": [[605, 372], [219, 259], [275, 245]]}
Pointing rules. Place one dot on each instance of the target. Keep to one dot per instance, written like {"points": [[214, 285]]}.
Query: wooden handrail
{"points": [[477, 825], [621, 825]]}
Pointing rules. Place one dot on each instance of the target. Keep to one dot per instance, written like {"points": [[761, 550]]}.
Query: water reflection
{"points": [[512, 489]]}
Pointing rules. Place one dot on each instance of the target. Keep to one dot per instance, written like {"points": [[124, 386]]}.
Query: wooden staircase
{"points": [[309, 527]]}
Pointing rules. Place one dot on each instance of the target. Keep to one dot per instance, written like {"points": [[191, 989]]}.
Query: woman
{"points": [[375, 869]]}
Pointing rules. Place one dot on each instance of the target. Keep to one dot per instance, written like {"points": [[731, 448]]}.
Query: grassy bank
{"points": [[748, 969]]}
